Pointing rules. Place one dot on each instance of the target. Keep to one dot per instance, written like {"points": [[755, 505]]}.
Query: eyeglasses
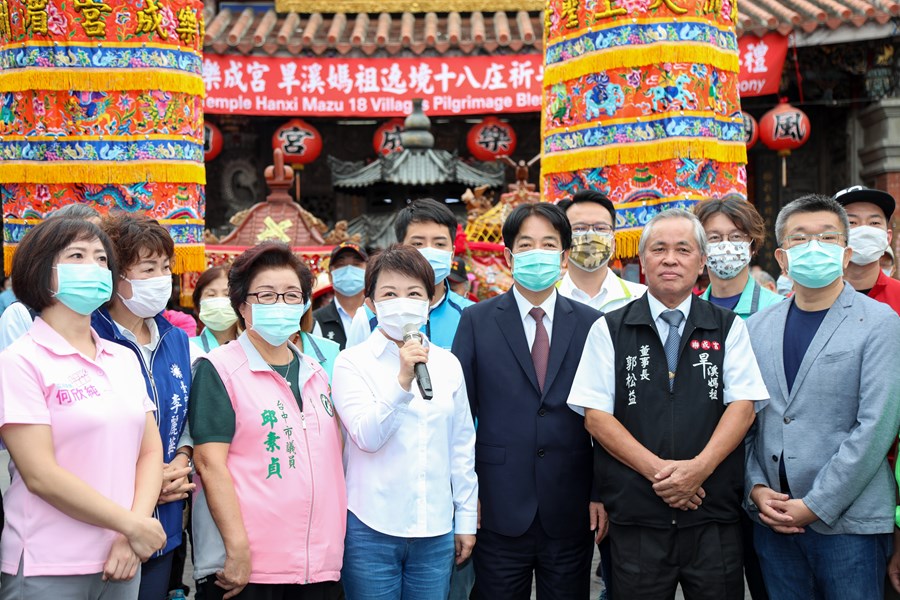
{"points": [[596, 228], [735, 237], [826, 237], [272, 297]]}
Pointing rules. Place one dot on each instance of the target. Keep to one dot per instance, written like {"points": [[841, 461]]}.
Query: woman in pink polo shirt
{"points": [[85, 455], [270, 506]]}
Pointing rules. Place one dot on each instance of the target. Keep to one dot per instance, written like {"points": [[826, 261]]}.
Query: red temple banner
{"points": [[762, 60]]}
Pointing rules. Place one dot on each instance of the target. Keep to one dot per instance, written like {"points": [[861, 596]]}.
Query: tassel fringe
{"points": [[640, 56], [101, 172], [101, 80], [646, 152]]}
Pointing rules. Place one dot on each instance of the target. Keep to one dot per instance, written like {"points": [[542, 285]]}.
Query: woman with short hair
{"points": [[86, 459], [411, 484], [270, 508], [217, 317], [735, 232]]}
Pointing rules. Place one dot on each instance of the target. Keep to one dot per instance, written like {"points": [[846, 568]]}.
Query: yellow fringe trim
{"points": [[627, 243], [101, 172], [640, 56], [189, 258], [100, 80], [646, 152]]}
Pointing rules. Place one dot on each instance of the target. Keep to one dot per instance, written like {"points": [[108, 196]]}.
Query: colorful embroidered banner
{"points": [[101, 103], [641, 102]]}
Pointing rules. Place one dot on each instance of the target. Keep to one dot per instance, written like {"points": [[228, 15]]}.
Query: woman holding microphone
{"points": [[412, 493]]}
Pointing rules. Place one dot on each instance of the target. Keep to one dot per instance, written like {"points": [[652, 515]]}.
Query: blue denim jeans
{"points": [[384, 567], [825, 567]]}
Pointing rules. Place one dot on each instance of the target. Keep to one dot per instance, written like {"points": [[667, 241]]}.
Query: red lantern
{"points": [[491, 139], [751, 129], [300, 142], [212, 141], [387, 137], [784, 128]]}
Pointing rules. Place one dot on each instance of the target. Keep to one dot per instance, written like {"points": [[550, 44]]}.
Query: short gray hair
{"points": [[674, 213], [810, 203], [75, 211], [763, 277]]}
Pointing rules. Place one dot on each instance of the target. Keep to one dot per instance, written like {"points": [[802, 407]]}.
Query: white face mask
{"points": [[784, 285], [868, 244], [726, 259], [396, 313], [148, 296], [887, 272]]}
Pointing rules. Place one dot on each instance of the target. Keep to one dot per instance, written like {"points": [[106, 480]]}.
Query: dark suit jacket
{"points": [[532, 452], [330, 322]]}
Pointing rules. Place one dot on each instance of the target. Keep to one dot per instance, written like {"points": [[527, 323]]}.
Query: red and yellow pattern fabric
{"points": [[101, 103], [641, 102]]}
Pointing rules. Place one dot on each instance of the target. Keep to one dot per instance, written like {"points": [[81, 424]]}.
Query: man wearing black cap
{"points": [[347, 272], [869, 212], [459, 278]]}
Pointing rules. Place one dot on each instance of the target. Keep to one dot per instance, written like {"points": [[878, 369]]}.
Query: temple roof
{"points": [[419, 167], [253, 30]]}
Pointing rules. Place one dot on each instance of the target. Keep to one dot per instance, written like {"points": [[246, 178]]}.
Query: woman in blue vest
{"points": [[735, 233], [144, 251]]}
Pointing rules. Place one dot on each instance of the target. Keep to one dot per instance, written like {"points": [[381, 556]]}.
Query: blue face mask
{"points": [[536, 270], [348, 280], [275, 323], [83, 287], [815, 265], [440, 261]]}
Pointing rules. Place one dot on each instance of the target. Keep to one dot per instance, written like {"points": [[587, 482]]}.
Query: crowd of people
{"points": [[404, 441]]}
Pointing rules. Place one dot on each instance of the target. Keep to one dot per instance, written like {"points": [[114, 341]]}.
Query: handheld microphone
{"points": [[411, 332]]}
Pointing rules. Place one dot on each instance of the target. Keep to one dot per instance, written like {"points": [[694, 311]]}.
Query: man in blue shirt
{"points": [[428, 225]]}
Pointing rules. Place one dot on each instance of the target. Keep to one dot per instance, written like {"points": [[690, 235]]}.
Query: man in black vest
{"points": [[669, 387], [347, 272]]}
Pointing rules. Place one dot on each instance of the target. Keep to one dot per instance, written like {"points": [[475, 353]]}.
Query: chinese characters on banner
{"points": [[371, 87], [761, 60]]}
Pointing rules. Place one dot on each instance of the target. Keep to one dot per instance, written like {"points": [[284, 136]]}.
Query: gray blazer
{"points": [[840, 419]]}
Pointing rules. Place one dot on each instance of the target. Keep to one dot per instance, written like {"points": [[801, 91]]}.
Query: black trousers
{"points": [[649, 563], [327, 590], [752, 570], [505, 566]]}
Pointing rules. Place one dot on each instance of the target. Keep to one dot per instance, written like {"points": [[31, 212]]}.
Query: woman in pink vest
{"points": [[411, 484], [270, 508], [86, 458]]}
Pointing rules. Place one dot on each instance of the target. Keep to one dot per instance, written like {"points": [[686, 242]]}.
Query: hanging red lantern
{"points": [[212, 141], [491, 139], [751, 129], [387, 137], [300, 142], [784, 128]]}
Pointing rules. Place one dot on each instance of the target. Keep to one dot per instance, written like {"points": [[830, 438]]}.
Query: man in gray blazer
{"points": [[818, 481]]}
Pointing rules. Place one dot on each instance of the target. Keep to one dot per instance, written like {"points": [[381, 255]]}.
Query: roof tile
{"points": [[409, 33]]}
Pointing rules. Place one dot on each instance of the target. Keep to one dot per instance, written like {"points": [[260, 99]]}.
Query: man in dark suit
{"points": [[347, 272], [519, 352]]}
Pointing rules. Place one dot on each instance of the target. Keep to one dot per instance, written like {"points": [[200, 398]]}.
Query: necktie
{"points": [[673, 341], [540, 349]]}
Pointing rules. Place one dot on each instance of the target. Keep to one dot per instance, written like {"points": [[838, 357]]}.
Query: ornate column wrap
{"points": [[641, 102], [101, 103]]}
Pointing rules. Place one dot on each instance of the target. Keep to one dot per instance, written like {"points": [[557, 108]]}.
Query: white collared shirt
{"points": [[528, 322], [409, 462], [346, 318], [594, 385], [614, 293]]}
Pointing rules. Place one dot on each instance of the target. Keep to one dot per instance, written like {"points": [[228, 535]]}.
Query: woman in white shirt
{"points": [[412, 492]]}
